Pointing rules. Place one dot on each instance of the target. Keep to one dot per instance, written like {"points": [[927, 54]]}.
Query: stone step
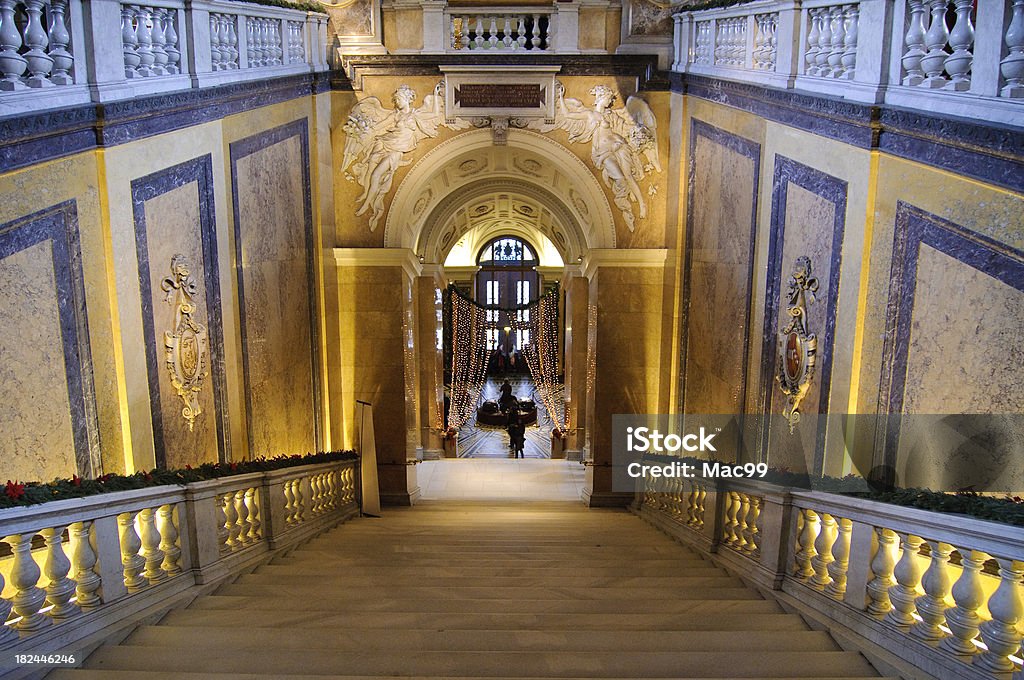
{"points": [[274, 573], [282, 586], [455, 567], [277, 662], [337, 640], [109, 674], [725, 616], [536, 560]]}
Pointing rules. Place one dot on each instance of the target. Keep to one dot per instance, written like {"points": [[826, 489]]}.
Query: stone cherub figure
{"points": [[378, 140], [623, 142]]}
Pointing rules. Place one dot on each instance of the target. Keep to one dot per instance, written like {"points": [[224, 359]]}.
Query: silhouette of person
{"points": [[516, 434]]}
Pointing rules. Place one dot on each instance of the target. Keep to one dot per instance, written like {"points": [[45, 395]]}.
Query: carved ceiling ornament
{"points": [[378, 141], [186, 346], [797, 349], [623, 142]]}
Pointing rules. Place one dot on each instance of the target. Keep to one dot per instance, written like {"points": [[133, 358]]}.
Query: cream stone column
{"points": [[577, 290], [429, 310], [375, 359], [624, 338]]}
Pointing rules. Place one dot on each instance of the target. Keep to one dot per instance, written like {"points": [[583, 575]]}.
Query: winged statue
{"points": [[377, 140], [623, 142]]}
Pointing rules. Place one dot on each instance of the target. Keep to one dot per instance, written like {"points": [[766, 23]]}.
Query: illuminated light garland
{"points": [[541, 355], [469, 358]]}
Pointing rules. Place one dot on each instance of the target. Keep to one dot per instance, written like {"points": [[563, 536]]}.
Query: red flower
{"points": [[234, 466], [76, 481], [188, 467], [14, 490], [148, 477]]}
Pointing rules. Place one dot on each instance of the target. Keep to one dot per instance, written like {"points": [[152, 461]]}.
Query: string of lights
{"points": [[541, 355], [469, 358]]}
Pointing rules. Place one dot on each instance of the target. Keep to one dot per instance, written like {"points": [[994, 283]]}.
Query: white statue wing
{"points": [[576, 120], [366, 121], [430, 115], [645, 129]]}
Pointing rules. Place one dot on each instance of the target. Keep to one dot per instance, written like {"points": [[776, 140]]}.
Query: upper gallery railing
{"points": [[165, 45], [946, 56], [69, 569], [943, 595], [499, 30]]}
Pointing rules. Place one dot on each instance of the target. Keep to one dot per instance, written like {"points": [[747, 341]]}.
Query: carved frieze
{"points": [[186, 345]]}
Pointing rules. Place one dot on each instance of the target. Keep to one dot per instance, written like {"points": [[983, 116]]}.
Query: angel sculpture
{"points": [[623, 142], [378, 140]]}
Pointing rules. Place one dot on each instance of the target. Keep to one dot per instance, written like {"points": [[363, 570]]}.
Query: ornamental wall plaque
{"points": [[797, 348], [186, 345]]}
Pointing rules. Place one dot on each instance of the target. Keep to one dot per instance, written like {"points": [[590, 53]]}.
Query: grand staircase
{"points": [[488, 590]]}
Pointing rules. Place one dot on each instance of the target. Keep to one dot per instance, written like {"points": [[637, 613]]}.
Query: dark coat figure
{"points": [[516, 434], [506, 399]]}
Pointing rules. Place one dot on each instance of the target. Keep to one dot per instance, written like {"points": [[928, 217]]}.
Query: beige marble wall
{"points": [[277, 313], [720, 270], [430, 358], [173, 227], [576, 306], [36, 435]]}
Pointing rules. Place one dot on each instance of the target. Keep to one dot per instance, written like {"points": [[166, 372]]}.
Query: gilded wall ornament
{"points": [[623, 142], [378, 140], [186, 345], [797, 348]]}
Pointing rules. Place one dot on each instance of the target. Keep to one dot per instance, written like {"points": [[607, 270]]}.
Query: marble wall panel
{"points": [[49, 409], [174, 215], [270, 184], [808, 219], [718, 275], [955, 320]]}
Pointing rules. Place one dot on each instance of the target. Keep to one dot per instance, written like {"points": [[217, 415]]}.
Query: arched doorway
{"points": [[507, 279]]}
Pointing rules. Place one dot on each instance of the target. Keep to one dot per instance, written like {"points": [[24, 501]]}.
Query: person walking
{"points": [[516, 434]]}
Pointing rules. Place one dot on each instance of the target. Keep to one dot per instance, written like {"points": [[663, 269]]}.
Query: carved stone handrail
{"points": [[76, 568], [943, 56], [943, 596]]}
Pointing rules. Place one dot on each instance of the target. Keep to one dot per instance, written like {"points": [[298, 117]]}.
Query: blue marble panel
{"points": [[238, 150], [58, 225], [833, 190], [200, 171], [915, 227], [752, 151]]}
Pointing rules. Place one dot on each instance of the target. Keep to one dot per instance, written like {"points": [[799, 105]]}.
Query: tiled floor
{"points": [[492, 442], [493, 479]]}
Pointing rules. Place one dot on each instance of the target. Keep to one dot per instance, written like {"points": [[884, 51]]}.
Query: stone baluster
{"points": [[701, 498], [773, 42], [231, 521], [252, 504], [7, 634], [813, 42], [506, 38], [931, 606], [806, 537], [740, 532], [129, 41], [217, 56], [300, 501], [851, 26], [962, 619], [883, 565], [318, 498], [757, 55], [12, 64], [824, 43], [289, 502], [961, 39], [60, 589], [935, 40], [169, 540], [151, 551], [729, 526], [751, 534], [914, 42], [242, 521], [83, 557], [535, 37], [250, 42], [144, 33], [521, 33], [908, 579], [838, 29], [492, 34], [132, 562], [840, 565], [60, 38], [159, 38], [275, 37], [36, 40], [478, 33], [262, 49], [29, 598], [231, 38], [823, 551], [171, 44], [1002, 635], [1012, 67], [223, 530]]}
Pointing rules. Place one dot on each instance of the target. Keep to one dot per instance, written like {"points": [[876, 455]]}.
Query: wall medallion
{"points": [[797, 348], [186, 345]]}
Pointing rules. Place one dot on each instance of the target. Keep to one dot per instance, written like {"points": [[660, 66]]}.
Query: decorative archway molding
{"points": [[466, 168]]}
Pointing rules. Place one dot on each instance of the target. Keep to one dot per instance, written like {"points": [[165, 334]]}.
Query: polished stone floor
{"points": [[484, 441], [497, 479]]}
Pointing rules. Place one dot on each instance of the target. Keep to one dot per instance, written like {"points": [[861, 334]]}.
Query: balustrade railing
{"points": [[114, 554], [946, 595], [164, 45], [948, 56], [501, 31]]}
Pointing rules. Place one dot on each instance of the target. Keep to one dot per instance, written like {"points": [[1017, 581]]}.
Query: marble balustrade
{"points": [[165, 45], [946, 595], [500, 31], [70, 568], [945, 56]]}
